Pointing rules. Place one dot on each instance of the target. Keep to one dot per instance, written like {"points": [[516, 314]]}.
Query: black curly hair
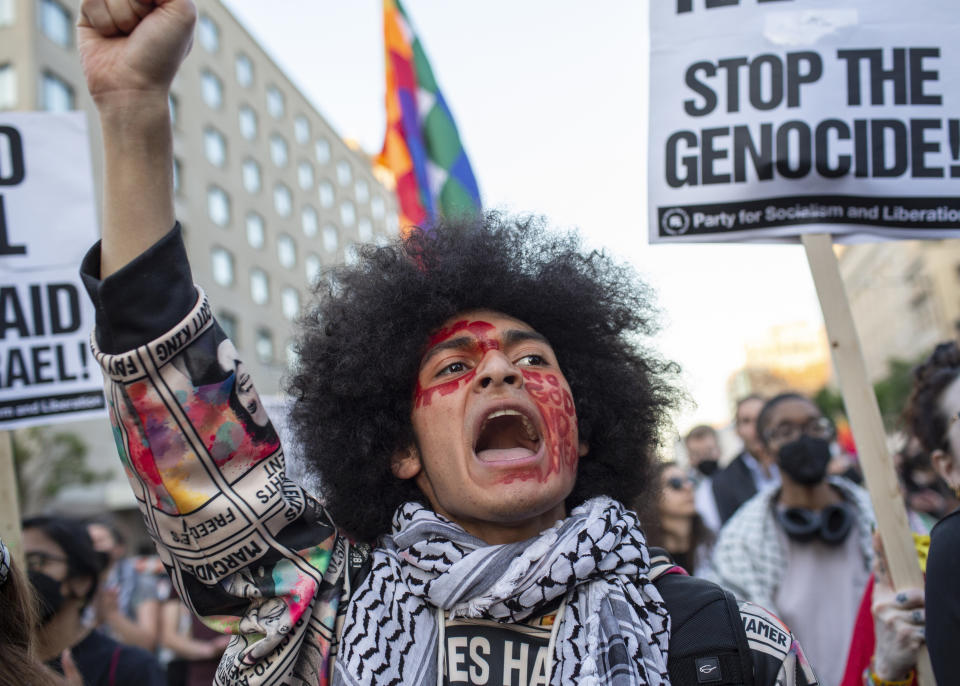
{"points": [[923, 415], [363, 338]]}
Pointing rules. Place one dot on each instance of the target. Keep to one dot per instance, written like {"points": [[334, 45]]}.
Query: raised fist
{"points": [[132, 49]]}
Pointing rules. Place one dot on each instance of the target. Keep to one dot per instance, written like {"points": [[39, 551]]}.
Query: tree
{"points": [[46, 462]]}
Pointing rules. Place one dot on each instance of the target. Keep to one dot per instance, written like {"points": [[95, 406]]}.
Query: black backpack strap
{"points": [[708, 645]]}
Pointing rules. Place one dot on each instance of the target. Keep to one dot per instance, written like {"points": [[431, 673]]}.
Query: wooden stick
{"points": [[867, 426], [9, 504]]}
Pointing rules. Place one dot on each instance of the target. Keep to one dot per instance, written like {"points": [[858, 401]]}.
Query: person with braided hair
{"points": [[933, 417]]}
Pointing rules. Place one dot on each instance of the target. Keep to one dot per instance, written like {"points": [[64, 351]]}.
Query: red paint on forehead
{"points": [[480, 329]]}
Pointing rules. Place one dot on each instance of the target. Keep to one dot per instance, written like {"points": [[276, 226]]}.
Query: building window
{"points": [[286, 251], [214, 146], [278, 150], [218, 206], [309, 221], [55, 22], [344, 173], [259, 286], [393, 224], [322, 150], [56, 93], [263, 345], [377, 207], [275, 103], [290, 303], [351, 255], [176, 176], [301, 129], [282, 200], [365, 230], [330, 238], [362, 191], [348, 215], [244, 68], [248, 122], [326, 195], [305, 175], [8, 87], [256, 232], [208, 34], [221, 262], [311, 265], [7, 13], [212, 89], [228, 322], [250, 172]]}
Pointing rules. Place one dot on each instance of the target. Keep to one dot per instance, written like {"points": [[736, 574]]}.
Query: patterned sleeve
{"points": [[247, 549], [778, 659]]}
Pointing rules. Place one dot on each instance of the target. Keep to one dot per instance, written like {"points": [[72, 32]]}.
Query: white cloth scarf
{"points": [[615, 628]]}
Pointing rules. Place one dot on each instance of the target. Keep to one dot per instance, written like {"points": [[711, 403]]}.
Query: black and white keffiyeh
{"points": [[615, 628]]}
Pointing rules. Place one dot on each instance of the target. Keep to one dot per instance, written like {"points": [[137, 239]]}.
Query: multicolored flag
{"points": [[422, 147]]}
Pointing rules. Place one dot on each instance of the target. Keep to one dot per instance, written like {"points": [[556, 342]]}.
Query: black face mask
{"points": [[805, 460], [708, 467], [49, 592]]}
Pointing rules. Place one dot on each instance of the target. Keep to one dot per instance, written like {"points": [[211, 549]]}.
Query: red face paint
{"points": [[559, 417], [482, 343]]}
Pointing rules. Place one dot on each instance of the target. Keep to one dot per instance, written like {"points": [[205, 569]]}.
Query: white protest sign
{"points": [[47, 223], [773, 118]]}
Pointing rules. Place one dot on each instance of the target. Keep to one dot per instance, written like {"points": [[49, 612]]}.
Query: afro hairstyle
{"points": [[923, 415], [363, 338]]}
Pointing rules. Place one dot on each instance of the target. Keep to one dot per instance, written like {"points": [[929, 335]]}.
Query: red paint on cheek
{"points": [[556, 407], [422, 397]]}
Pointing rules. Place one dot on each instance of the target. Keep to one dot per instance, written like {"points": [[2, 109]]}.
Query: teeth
{"points": [[528, 428]]}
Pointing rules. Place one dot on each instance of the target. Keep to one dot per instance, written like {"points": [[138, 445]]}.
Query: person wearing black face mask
{"points": [[804, 549], [64, 569]]}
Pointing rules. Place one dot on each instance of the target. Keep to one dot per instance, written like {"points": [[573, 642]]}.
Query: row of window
{"points": [[54, 20], [262, 339], [56, 95], [222, 268]]}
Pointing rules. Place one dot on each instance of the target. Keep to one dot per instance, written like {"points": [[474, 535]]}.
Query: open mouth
{"points": [[506, 435]]}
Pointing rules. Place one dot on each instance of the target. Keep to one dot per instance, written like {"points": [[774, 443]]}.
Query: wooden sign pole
{"points": [[9, 504], [866, 423]]}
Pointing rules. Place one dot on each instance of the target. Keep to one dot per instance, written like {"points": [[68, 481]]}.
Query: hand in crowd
{"points": [[898, 618], [71, 675], [106, 604]]}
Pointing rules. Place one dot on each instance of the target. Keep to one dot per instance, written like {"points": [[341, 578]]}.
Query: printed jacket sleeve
{"points": [[778, 659], [247, 549]]}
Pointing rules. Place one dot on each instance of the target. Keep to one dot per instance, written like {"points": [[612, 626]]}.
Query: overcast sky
{"points": [[551, 99]]}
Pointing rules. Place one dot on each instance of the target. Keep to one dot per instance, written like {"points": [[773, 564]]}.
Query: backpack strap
{"points": [[707, 642], [114, 662]]}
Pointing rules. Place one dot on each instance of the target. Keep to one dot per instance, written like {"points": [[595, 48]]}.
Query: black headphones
{"points": [[831, 525]]}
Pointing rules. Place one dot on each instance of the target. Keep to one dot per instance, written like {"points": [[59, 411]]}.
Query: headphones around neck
{"points": [[831, 525]]}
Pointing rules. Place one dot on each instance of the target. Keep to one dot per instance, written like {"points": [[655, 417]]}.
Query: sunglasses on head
{"points": [[678, 483]]}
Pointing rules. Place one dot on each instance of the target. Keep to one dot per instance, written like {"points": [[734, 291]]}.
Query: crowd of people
{"points": [[485, 430]]}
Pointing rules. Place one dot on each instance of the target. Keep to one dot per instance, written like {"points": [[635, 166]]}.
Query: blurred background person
{"points": [[933, 416], [127, 604], [678, 528], [190, 649], [19, 665], [64, 569], [751, 471], [703, 451], [803, 550]]}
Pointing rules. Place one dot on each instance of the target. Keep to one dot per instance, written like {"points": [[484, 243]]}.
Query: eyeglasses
{"points": [[821, 427], [38, 559], [678, 483]]}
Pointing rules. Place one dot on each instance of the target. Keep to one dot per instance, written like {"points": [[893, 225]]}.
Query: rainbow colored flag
{"points": [[422, 147]]}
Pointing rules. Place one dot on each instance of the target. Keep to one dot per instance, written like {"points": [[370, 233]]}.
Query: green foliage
{"points": [[46, 462], [892, 392]]}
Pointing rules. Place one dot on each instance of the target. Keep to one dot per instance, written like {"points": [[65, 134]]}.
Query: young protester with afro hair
{"points": [[473, 404]]}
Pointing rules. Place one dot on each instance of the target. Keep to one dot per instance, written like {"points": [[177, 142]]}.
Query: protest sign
{"points": [[774, 118], [47, 222]]}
